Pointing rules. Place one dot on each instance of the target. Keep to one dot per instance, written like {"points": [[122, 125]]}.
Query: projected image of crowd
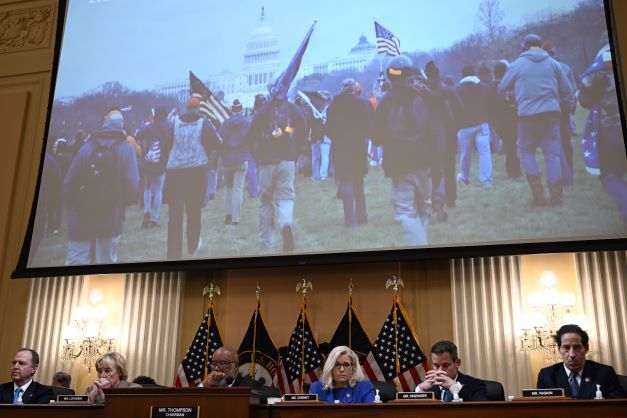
{"points": [[237, 180]]}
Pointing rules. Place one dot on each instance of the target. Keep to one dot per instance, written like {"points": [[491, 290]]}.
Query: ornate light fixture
{"points": [[548, 311], [88, 336]]}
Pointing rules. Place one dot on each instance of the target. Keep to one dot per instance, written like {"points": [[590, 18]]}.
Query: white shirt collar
{"points": [[24, 387]]}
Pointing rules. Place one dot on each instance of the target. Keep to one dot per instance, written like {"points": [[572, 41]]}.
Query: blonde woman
{"points": [[112, 373], [343, 379]]}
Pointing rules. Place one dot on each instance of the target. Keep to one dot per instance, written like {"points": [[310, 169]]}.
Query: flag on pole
{"points": [[396, 355], [303, 361], [210, 105], [387, 42], [194, 366], [258, 356], [284, 81], [351, 333]]}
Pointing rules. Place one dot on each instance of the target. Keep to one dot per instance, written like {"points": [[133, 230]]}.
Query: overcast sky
{"points": [[144, 43]]}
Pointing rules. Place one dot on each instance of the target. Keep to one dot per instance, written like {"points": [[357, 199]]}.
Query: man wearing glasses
{"points": [[576, 375], [225, 371]]}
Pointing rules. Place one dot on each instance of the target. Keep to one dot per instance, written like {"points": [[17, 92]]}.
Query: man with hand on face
{"points": [[23, 389], [576, 375], [445, 379], [225, 371]]}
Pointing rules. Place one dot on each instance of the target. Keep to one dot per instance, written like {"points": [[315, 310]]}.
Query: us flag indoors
{"points": [[396, 355], [303, 362], [207, 339]]}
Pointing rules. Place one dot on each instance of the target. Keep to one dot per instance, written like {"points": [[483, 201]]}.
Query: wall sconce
{"points": [[88, 337], [548, 311]]}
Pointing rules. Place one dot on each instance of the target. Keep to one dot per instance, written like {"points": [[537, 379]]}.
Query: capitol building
{"points": [[262, 65]]}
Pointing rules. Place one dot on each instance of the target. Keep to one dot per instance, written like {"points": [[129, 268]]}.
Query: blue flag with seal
{"points": [[284, 81]]}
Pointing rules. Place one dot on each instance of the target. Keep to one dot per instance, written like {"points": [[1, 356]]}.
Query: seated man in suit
{"points": [[445, 379], [576, 375], [225, 373], [23, 389], [61, 384]]}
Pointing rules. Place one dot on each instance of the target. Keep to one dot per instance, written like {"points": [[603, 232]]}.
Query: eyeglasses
{"points": [[344, 365], [221, 363]]}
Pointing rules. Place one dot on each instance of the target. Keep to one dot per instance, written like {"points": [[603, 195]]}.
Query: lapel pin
{"points": [[587, 379]]}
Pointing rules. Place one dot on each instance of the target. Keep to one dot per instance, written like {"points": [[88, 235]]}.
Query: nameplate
{"points": [[415, 396], [304, 397], [73, 398], [542, 393], [174, 411]]}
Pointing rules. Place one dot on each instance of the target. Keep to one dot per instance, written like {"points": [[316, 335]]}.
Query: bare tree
{"points": [[489, 18]]}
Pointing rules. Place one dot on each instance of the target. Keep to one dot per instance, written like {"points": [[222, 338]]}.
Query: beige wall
{"points": [[25, 71]]}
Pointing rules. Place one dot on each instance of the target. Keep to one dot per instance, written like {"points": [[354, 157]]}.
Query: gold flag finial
{"points": [[394, 282], [258, 292], [211, 289], [304, 286], [350, 287]]}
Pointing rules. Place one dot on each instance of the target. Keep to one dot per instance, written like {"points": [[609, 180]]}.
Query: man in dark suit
{"points": [[445, 380], [23, 389], [576, 375], [225, 373]]}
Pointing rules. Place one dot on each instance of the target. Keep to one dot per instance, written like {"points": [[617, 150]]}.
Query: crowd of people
{"points": [[421, 127], [343, 379]]}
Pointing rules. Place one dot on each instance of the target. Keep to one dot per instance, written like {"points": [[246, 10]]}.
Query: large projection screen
{"points": [[162, 113]]}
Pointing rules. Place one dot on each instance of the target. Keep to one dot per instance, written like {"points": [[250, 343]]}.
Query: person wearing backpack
{"points": [[101, 182], [402, 126], [150, 137], [234, 154]]}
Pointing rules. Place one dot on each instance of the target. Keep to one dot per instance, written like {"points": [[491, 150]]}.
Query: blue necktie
{"points": [[574, 386], [16, 396], [447, 396]]}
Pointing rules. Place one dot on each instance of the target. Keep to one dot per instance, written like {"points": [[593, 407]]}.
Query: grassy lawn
{"points": [[502, 213]]}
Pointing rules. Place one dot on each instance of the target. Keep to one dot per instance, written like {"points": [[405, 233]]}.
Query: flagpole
{"points": [[252, 362], [211, 289], [350, 314], [395, 282], [303, 286]]}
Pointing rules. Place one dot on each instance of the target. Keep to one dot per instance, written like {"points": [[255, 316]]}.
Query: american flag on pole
{"points": [[193, 368], [303, 362], [387, 42], [396, 355], [210, 105]]}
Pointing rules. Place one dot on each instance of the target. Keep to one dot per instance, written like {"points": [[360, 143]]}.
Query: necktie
{"points": [[16, 396], [447, 396], [574, 386]]}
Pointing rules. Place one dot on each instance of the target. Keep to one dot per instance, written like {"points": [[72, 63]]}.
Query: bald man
{"points": [[225, 371]]}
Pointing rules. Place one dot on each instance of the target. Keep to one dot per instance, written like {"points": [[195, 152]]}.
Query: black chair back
{"points": [[387, 390], [57, 390], [495, 390], [622, 381]]}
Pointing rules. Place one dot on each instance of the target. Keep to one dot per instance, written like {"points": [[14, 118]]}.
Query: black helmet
{"points": [[400, 67]]}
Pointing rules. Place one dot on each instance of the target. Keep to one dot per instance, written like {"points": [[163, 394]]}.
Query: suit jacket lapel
{"points": [[561, 379], [587, 387], [7, 393], [27, 397]]}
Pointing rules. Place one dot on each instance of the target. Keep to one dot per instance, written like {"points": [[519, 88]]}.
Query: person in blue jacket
{"points": [[343, 379]]}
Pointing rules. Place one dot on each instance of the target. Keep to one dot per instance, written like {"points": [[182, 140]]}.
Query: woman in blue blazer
{"points": [[343, 379]]}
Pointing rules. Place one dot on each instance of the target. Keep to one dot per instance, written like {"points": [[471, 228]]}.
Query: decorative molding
{"points": [[25, 29]]}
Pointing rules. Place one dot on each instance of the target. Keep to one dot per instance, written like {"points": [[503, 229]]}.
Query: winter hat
{"points": [[193, 102], [114, 120], [530, 41], [348, 86], [550, 48], [237, 106], [432, 71]]}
